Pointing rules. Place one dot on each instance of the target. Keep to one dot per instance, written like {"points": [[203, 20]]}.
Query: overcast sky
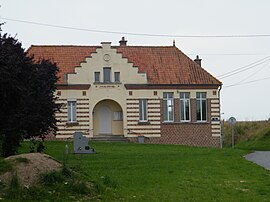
{"points": [[247, 100]]}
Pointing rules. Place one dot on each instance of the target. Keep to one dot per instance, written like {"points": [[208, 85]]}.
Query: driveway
{"points": [[261, 158]]}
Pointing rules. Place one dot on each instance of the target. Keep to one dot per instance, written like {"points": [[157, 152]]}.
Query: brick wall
{"points": [[192, 133], [184, 134]]}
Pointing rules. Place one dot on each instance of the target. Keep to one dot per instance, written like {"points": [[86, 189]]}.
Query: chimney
{"points": [[123, 42], [198, 60]]}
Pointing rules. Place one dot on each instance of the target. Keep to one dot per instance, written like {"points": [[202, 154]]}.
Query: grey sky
{"points": [[174, 17]]}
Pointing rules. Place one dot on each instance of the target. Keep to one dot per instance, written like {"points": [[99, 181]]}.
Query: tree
{"points": [[27, 101]]}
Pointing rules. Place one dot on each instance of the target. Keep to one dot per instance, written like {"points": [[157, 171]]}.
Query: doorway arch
{"points": [[107, 118]]}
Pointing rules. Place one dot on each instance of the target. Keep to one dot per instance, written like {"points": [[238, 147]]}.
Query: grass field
{"points": [[249, 135], [260, 141], [140, 172]]}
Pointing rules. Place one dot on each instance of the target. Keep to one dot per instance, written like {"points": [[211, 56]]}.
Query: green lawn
{"points": [[248, 134], [141, 172], [260, 141]]}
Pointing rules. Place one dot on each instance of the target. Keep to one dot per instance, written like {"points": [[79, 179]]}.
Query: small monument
{"points": [[81, 145]]}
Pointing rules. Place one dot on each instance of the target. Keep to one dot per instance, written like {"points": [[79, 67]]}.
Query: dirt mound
{"points": [[29, 166]]}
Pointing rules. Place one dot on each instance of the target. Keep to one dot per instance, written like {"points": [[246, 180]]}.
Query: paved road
{"points": [[261, 158]]}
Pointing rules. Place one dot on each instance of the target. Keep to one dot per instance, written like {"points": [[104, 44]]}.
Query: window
{"points": [[168, 107], [116, 76], [201, 106], [142, 110], [72, 111], [184, 107], [97, 76], [107, 74], [117, 116]]}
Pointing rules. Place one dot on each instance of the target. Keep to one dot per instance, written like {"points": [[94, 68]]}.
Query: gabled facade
{"points": [[151, 91]]}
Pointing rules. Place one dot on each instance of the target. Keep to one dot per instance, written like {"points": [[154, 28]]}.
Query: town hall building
{"points": [[155, 92]]}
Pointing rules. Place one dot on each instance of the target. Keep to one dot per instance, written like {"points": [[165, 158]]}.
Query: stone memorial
{"points": [[81, 145]]}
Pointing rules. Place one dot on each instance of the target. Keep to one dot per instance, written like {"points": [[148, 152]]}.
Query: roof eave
{"points": [[172, 86]]}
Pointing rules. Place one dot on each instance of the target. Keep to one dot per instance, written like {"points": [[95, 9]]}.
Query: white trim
{"points": [[168, 106], [149, 127], [201, 99], [184, 99], [71, 100], [214, 101], [185, 121], [133, 110], [215, 126], [72, 111], [144, 111], [154, 122], [132, 102], [201, 121], [215, 122], [154, 114]]}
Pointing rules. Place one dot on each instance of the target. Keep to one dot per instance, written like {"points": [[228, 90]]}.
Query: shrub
{"points": [[52, 178], [36, 146]]}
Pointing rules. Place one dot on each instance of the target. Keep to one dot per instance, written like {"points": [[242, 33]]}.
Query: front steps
{"points": [[109, 138]]}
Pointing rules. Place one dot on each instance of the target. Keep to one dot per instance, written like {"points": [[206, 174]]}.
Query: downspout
{"points": [[221, 131]]}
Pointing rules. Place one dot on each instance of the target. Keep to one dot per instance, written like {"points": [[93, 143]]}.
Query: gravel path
{"points": [[261, 158]]}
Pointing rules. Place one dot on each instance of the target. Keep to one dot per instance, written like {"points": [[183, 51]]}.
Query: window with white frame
{"points": [[117, 116], [201, 106], [72, 111], [106, 74], [184, 107], [168, 107], [143, 110]]}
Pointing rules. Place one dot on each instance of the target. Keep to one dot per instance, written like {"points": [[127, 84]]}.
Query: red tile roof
{"points": [[162, 64]]}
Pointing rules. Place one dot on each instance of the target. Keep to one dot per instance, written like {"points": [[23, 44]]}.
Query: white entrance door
{"points": [[105, 122]]}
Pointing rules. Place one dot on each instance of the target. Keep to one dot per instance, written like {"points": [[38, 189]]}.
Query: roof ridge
{"points": [[65, 46], [148, 46], [140, 46]]}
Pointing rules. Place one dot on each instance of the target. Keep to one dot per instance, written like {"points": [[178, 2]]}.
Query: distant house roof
{"points": [[162, 64]]}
